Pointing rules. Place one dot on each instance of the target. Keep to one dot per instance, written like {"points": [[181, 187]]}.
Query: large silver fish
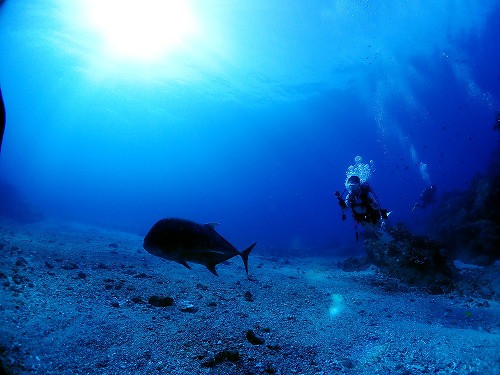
{"points": [[186, 241]]}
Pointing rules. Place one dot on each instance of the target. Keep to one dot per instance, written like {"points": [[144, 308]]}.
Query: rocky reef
{"points": [[413, 259], [418, 262], [469, 221], [464, 227]]}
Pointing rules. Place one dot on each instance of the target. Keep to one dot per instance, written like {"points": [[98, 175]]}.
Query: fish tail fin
{"points": [[245, 253]]}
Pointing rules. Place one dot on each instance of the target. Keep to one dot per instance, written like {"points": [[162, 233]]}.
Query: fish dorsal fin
{"points": [[212, 225]]}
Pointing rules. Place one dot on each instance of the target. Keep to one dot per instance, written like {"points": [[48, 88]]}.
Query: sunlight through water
{"points": [[145, 30]]}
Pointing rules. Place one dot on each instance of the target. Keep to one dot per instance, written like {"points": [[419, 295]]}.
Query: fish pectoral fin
{"points": [[183, 262], [211, 268]]}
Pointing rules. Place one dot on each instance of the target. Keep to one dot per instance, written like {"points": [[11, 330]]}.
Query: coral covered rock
{"points": [[413, 259], [469, 221]]}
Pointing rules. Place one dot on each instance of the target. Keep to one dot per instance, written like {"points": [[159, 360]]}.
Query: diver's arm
{"points": [[340, 200]]}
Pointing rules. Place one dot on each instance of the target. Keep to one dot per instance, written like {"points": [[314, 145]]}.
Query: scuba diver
{"points": [[363, 203], [427, 197]]}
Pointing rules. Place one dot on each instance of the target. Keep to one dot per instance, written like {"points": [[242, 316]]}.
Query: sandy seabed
{"points": [[77, 299]]}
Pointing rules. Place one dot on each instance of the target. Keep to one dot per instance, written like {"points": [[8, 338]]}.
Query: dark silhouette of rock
{"points": [[161, 301], [248, 297], [413, 259], [253, 338], [469, 221]]}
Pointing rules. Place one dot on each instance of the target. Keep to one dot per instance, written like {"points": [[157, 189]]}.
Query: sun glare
{"points": [[145, 30]]}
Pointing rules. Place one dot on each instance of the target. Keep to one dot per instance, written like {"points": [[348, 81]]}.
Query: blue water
{"points": [[253, 119]]}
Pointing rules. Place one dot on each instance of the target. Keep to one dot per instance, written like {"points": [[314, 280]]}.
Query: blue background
{"points": [[255, 124]]}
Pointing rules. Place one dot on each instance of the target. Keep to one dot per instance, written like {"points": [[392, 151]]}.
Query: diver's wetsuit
{"points": [[370, 210]]}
